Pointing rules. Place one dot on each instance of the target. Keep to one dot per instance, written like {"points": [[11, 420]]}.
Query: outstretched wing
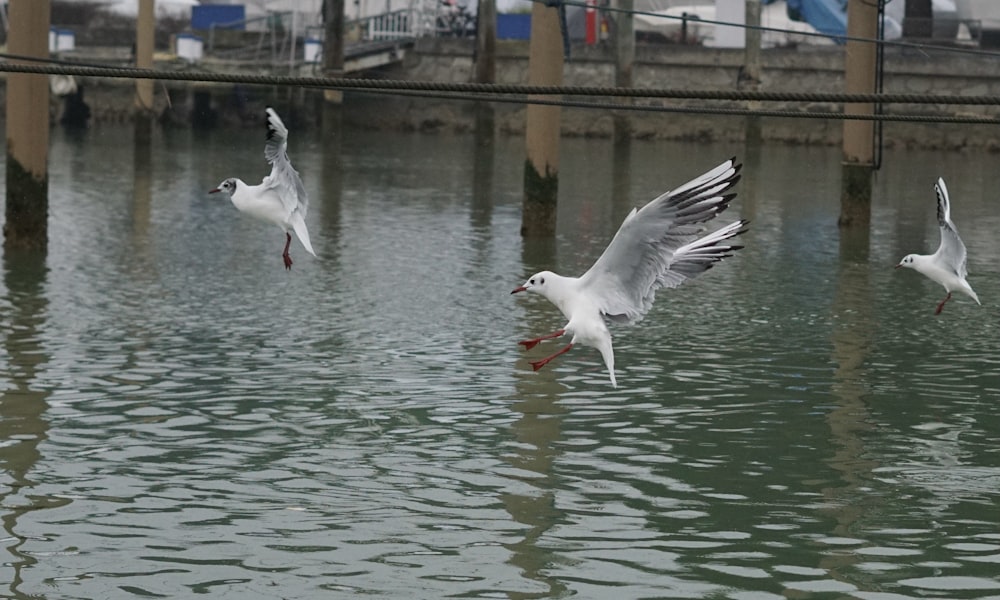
{"points": [[284, 180], [658, 245], [951, 251]]}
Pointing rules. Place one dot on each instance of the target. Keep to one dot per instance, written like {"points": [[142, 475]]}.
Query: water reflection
{"points": [[791, 424], [23, 426], [852, 337], [536, 435]]}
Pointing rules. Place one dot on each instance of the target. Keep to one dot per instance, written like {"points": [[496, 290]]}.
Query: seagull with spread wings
{"points": [[660, 245], [280, 198], [947, 265]]}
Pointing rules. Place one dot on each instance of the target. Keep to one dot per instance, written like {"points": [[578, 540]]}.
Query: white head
{"points": [[540, 283], [909, 261], [228, 186]]}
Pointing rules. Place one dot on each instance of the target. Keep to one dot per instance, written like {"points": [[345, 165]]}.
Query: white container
{"points": [[730, 11], [53, 39], [312, 50], [65, 40], [189, 47]]}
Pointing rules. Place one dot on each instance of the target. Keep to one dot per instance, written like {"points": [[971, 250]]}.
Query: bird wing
{"points": [[284, 179], [658, 245], [952, 251]]}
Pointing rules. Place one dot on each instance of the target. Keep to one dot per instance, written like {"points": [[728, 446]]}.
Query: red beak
{"points": [[897, 266], [214, 191], [519, 289]]}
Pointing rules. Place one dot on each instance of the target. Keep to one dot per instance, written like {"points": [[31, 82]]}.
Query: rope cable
{"points": [[498, 88]]}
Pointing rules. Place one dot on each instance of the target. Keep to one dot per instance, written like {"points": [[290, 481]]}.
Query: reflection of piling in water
{"points": [[27, 204], [853, 329], [22, 405], [621, 180], [541, 169]]}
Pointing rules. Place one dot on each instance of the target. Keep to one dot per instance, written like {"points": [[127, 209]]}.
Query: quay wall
{"points": [[802, 69]]}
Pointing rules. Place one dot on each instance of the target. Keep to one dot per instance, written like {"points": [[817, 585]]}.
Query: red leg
{"points": [[285, 255], [538, 364], [529, 344], [940, 307]]}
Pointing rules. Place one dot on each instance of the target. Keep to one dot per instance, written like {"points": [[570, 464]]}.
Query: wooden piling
{"points": [[541, 168], [485, 70], [145, 27], [333, 46], [858, 150], [27, 116], [750, 79], [624, 62]]}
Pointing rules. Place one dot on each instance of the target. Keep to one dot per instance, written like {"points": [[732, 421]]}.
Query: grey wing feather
{"points": [[283, 178], [952, 249], [644, 254]]}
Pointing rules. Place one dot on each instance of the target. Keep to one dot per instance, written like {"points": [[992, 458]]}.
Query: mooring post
{"points": [[859, 154], [145, 27], [624, 61], [27, 130], [541, 168], [485, 69], [333, 46], [750, 78]]}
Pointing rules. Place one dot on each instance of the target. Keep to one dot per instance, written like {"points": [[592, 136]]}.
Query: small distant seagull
{"points": [[656, 246], [947, 265], [280, 198]]}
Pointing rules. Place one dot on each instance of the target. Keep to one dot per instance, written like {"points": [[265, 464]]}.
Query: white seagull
{"points": [[280, 198], [947, 265], [656, 246]]}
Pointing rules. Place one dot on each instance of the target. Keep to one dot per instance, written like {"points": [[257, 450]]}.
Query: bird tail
{"points": [[299, 226], [608, 354]]}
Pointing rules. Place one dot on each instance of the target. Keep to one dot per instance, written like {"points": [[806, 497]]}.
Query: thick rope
{"points": [[495, 88], [707, 110]]}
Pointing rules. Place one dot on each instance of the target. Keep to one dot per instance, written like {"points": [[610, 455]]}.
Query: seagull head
{"points": [[908, 261], [228, 186], [536, 283]]}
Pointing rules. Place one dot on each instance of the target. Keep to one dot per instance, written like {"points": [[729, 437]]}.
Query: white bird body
{"points": [[947, 265], [656, 246], [280, 198]]}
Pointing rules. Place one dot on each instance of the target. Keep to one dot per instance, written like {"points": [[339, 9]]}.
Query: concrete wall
{"points": [[809, 69], [813, 69]]}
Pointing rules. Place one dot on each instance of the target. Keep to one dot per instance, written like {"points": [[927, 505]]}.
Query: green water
{"points": [[180, 416]]}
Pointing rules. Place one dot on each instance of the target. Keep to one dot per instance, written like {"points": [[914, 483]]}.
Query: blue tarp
{"points": [[206, 15], [826, 16]]}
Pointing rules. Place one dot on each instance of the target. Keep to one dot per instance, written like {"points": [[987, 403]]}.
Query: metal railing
{"points": [[392, 25]]}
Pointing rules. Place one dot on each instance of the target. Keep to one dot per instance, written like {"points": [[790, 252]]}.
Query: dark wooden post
{"points": [[485, 69], [27, 130], [859, 75], [333, 46], [624, 62], [541, 169], [145, 28], [751, 69]]}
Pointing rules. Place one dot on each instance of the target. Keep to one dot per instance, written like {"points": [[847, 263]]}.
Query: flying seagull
{"points": [[280, 198], [656, 246], [947, 265]]}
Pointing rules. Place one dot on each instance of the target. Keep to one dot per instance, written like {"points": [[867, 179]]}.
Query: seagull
{"points": [[947, 265], [280, 198], [656, 246]]}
